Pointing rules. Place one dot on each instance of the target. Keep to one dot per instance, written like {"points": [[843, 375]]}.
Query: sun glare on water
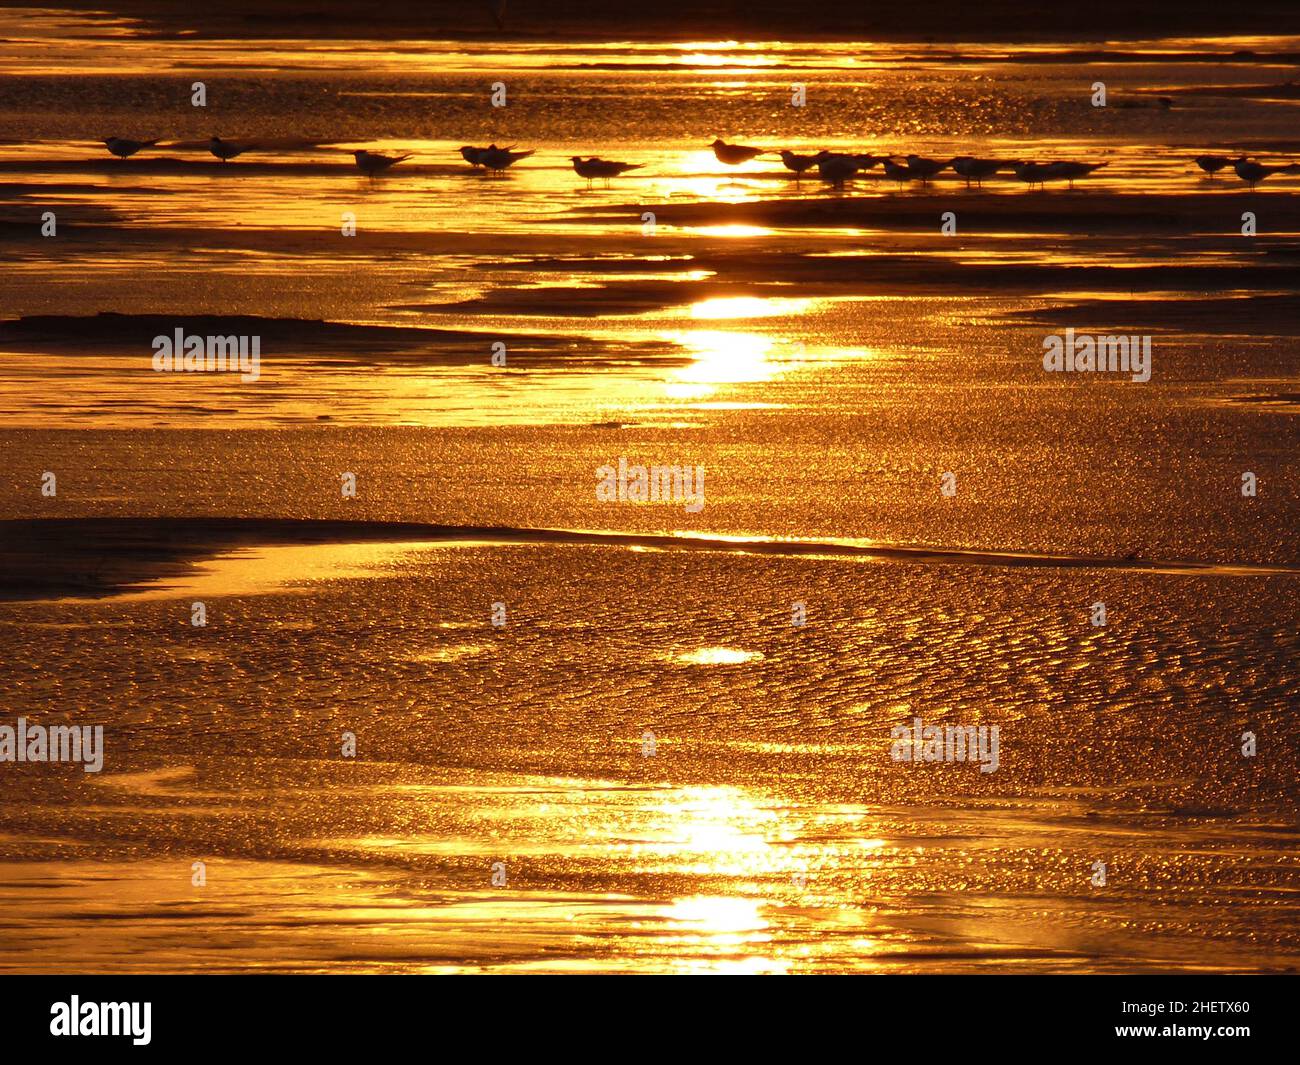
{"points": [[716, 656]]}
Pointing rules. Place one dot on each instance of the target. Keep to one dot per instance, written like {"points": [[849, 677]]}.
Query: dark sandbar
{"points": [[92, 558]]}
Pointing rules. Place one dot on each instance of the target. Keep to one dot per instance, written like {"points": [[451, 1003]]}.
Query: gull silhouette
{"points": [[596, 167], [734, 154], [1252, 173], [837, 168], [896, 171], [474, 156], [1212, 164], [124, 148], [1070, 171], [924, 168], [226, 150], [1030, 173], [976, 170], [499, 159], [372, 163], [797, 163]]}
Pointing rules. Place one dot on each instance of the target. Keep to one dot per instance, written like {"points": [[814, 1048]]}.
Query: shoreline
{"points": [[678, 20], [96, 558]]}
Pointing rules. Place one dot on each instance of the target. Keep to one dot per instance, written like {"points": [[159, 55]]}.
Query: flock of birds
{"points": [[833, 167], [1251, 172], [837, 167], [369, 163]]}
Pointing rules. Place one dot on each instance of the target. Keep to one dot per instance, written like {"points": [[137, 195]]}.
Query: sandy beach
{"points": [[598, 734]]}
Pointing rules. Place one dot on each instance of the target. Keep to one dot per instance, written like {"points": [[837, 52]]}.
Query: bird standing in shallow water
{"points": [[836, 168], [865, 160], [226, 150], [1252, 173], [596, 167], [1212, 164], [1031, 173], [499, 159], [474, 156], [797, 163], [976, 170], [372, 163], [898, 172], [124, 148], [1070, 171], [924, 168], [734, 154]]}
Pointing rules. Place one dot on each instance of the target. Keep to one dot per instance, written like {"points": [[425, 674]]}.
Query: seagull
{"points": [[596, 167], [976, 170], [734, 154], [372, 163], [1212, 164], [836, 168], [866, 160], [898, 172], [1070, 171], [1033, 173], [123, 148], [499, 159], [226, 150], [1252, 173], [797, 163], [474, 156], [925, 168]]}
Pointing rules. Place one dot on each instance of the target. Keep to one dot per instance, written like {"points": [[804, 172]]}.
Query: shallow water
{"points": [[673, 776]]}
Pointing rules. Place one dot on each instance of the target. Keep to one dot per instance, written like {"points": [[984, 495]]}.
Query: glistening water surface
{"points": [[670, 748]]}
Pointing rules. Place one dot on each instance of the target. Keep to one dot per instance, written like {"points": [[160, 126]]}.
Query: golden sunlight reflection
{"points": [[570, 729], [453, 653], [705, 54], [718, 915], [715, 656], [720, 357], [734, 230], [748, 307], [700, 176], [264, 570]]}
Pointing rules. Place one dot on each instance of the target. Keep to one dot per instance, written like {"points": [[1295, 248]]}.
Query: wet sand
{"points": [[671, 773], [94, 557], [713, 811]]}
